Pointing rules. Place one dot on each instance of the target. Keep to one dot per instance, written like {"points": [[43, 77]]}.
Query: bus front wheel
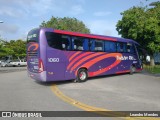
{"points": [[132, 69], [82, 75]]}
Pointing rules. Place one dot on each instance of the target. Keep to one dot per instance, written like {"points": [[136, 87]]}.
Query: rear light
{"points": [[41, 67]]}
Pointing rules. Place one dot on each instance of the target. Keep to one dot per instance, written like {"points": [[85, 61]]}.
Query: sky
{"points": [[100, 16]]}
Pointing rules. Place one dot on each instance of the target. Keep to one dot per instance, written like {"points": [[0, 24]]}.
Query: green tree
{"points": [[14, 48], [66, 23], [18, 48], [2, 51], [143, 25]]}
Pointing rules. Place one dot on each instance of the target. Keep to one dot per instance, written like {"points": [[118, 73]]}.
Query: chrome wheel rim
{"points": [[82, 75], [133, 69]]}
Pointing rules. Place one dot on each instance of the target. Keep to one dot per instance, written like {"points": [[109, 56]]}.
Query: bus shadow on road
{"points": [[50, 83], [61, 82], [109, 76]]}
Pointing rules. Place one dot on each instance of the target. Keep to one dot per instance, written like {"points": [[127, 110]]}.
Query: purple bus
{"points": [[54, 55]]}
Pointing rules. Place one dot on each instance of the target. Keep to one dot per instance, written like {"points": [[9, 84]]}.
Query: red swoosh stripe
{"points": [[74, 55], [77, 58], [84, 59], [92, 62]]}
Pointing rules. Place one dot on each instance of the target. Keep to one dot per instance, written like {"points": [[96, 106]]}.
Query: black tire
{"points": [[82, 75], [132, 70]]}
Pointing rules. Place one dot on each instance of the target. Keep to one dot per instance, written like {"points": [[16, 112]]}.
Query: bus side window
{"points": [[66, 45], [91, 44], [119, 47], [130, 48], [99, 45], [110, 46], [54, 40], [77, 43], [124, 47], [86, 44]]}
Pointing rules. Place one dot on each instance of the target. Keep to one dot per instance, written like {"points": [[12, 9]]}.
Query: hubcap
{"points": [[82, 75], [133, 69]]}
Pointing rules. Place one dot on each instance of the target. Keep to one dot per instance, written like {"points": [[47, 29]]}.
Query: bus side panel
{"points": [[127, 60], [70, 57], [102, 64], [110, 65], [105, 63], [55, 64], [63, 65]]}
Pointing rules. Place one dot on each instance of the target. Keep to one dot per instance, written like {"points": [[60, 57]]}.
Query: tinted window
{"points": [[121, 47], [99, 45], [110, 46], [78, 43], [66, 42], [58, 41], [86, 44], [124, 47], [130, 48], [91, 45]]}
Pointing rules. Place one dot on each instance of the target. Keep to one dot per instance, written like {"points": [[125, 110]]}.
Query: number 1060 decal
{"points": [[53, 59]]}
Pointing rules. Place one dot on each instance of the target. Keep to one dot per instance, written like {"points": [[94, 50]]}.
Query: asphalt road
{"points": [[11, 69], [138, 92]]}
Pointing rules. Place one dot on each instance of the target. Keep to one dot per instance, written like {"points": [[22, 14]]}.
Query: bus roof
{"points": [[94, 36]]}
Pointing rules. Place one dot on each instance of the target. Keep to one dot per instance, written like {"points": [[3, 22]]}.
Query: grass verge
{"points": [[152, 69]]}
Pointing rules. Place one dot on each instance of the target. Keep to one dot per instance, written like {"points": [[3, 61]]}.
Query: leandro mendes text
{"points": [[144, 115]]}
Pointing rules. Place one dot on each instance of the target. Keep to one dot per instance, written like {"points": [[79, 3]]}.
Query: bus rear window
{"points": [[33, 36]]}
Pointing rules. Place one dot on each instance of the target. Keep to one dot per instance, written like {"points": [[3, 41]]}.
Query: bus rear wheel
{"points": [[82, 75]]}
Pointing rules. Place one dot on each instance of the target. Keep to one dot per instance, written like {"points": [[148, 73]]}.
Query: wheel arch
{"points": [[79, 69], [78, 79], [134, 65], [131, 70]]}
